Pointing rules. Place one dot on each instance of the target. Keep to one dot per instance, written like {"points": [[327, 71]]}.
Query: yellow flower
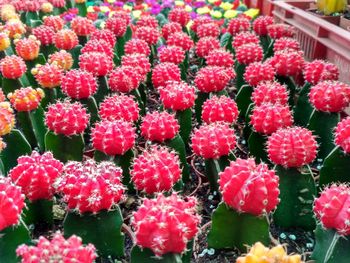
{"points": [[136, 13], [145, 6], [90, 9], [7, 118], [179, 3], [80, 1], [4, 41], [111, 13], [252, 12], [203, 10], [127, 7], [211, 1], [104, 9], [47, 7], [226, 5], [216, 14], [230, 14], [111, 1], [188, 8], [102, 25], [189, 24]]}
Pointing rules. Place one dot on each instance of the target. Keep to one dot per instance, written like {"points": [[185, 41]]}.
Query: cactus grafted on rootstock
{"points": [[12, 69], [249, 192], [332, 233]]}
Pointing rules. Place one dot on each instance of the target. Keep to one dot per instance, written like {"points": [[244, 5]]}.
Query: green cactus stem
{"points": [[322, 125], [184, 67], [230, 229], [103, 89], [75, 52], [48, 50], [103, 230], [330, 246], [30, 65], [212, 170], [16, 146], [243, 99], [291, 87], [10, 239], [82, 9], [247, 130], [201, 98], [82, 40], [297, 191], [51, 96], [39, 212], [267, 44], [303, 109], [257, 147], [10, 85], [92, 108], [140, 101], [226, 42], [240, 70], [65, 148], [185, 121]]}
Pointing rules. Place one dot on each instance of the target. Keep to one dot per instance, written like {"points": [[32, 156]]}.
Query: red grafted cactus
{"points": [[66, 39], [170, 28], [137, 46], [332, 208], [35, 174], [245, 38], [119, 107], [27, 48], [148, 34], [98, 46], [11, 203], [117, 25], [287, 62], [164, 72], [172, 54], [260, 24], [61, 58], [277, 31], [179, 15], [319, 70], [208, 30], [89, 186], [56, 250], [124, 15], [259, 72], [249, 187], [177, 96], [124, 79], [211, 141], [180, 39], [156, 170], [237, 25], [7, 118], [220, 58], [217, 109], [45, 34], [147, 20], [159, 126], [213, 78], [15, 28], [82, 26], [48, 75], [330, 96], [268, 118], [55, 22], [205, 45], [26, 99], [12, 67], [286, 43], [96, 62], [249, 53], [67, 118], [104, 34], [292, 147], [166, 224], [58, 3], [200, 20], [270, 92], [342, 134], [140, 63], [79, 84], [114, 137]]}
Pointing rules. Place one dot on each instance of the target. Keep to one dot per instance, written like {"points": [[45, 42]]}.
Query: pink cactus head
{"points": [[98, 46], [220, 58], [164, 72], [82, 26], [179, 15], [172, 54], [27, 48], [66, 39], [89, 186], [258, 72], [26, 99], [330, 96], [97, 63], [124, 79], [44, 34], [205, 45], [139, 62], [277, 31], [58, 249], [11, 203], [67, 118], [137, 46], [249, 187], [249, 53], [268, 118], [55, 22], [270, 92], [288, 62], [58, 3], [200, 20], [62, 59], [180, 39], [48, 76], [213, 78], [114, 137], [104, 34], [79, 84], [237, 25], [170, 28], [211, 141], [147, 20], [342, 134], [177, 96], [292, 147], [125, 15], [119, 107], [7, 119], [319, 70], [260, 24], [117, 25], [156, 170], [208, 30], [286, 43], [35, 174], [332, 208], [148, 34], [159, 126], [218, 109], [245, 37], [12, 67], [155, 222]]}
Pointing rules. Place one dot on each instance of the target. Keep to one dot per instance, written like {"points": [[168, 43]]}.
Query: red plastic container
{"points": [[318, 38], [265, 6]]}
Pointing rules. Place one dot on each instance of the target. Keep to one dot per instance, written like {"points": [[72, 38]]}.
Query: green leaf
{"points": [[201, 98], [128, 34], [38, 212], [103, 230], [243, 99], [65, 148], [103, 90], [257, 147], [185, 120], [146, 255], [16, 146], [303, 109], [161, 19], [240, 70], [124, 161], [330, 246], [37, 119], [179, 146], [322, 125], [212, 170], [24, 123], [75, 55], [230, 229], [225, 39], [82, 8], [297, 191]]}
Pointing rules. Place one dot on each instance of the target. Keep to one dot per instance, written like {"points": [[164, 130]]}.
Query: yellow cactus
{"points": [[4, 41], [7, 118], [329, 7]]}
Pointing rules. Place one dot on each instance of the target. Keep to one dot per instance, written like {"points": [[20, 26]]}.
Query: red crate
{"points": [[264, 6], [318, 38]]}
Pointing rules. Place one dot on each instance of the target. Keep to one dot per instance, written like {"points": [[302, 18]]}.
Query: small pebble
{"points": [[203, 253], [243, 142], [211, 251], [309, 245], [210, 197], [283, 236], [319, 167], [292, 237], [320, 160], [211, 206], [214, 193]]}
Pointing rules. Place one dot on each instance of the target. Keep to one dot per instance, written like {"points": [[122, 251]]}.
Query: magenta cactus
{"points": [[79, 84], [177, 96], [219, 109], [220, 58], [258, 72], [270, 92]]}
